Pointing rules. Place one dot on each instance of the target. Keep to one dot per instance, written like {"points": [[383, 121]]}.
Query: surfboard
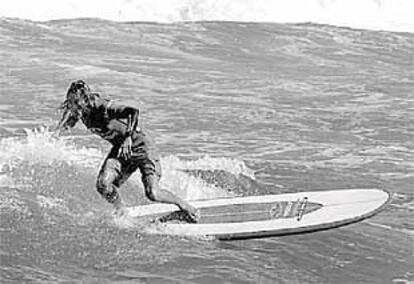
{"points": [[268, 215]]}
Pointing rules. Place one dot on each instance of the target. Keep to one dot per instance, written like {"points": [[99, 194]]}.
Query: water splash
{"points": [[233, 166], [51, 167], [40, 146], [48, 182], [176, 176]]}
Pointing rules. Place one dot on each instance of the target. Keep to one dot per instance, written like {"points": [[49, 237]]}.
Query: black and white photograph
{"points": [[207, 141]]}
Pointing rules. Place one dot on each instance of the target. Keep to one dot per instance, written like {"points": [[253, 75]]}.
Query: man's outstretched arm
{"points": [[68, 120]]}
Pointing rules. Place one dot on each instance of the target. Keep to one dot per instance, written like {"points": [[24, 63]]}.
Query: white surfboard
{"points": [[269, 215]]}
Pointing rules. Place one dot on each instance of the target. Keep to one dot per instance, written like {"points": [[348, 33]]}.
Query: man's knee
{"points": [[105, 187]]}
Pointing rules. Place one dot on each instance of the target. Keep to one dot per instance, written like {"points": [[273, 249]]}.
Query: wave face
{"points": [[392, 15], [235, 109]]}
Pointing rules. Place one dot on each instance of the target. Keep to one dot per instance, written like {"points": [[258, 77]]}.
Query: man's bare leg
{"points": [[166, 196], [106, 187], [155, 193]]}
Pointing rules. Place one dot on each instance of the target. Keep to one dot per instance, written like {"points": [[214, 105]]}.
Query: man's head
{"points": [[77, 95], [77, 99]]}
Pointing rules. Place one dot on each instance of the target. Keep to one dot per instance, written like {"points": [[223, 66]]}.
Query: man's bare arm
{"points": [[68, 120], [131, 115]]}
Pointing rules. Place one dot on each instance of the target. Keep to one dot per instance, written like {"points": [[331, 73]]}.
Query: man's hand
{"points": [[125, 150]]}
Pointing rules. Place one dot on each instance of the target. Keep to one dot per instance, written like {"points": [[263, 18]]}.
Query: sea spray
{"points": [[52, 181], [46, 164], [192, 187], [206, 162], [40, 146]]}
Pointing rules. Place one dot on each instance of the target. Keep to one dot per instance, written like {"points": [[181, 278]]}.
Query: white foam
{"points": [[50, 202], [193, 188], [11, 201], [41, 147], [233, 166], [394, 15]]}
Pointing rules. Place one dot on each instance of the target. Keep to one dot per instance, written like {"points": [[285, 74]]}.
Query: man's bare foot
{"points": [[191, 211]]}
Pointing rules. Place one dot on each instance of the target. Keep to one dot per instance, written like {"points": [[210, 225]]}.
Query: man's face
{"points": [[72, 111], [75, 102], [74, 106]]}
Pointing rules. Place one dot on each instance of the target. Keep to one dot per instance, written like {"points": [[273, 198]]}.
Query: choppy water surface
{"points": [[237, 109]]}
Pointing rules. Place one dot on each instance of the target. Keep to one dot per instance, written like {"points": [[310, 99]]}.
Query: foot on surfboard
{"points": [[192, 213]]}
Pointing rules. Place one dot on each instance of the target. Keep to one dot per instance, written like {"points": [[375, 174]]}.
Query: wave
{"points": [[41, 146], [391, 15], [47, 180], [55, 171]]}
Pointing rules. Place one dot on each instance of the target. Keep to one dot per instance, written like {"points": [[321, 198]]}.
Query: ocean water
{"points": [[390, 15], [236, 109]]}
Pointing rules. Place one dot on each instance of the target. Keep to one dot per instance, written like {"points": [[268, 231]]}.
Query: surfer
{"points": [[132, 149]]}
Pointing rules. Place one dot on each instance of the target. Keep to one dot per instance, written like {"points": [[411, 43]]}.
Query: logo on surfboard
{"points": [[289, 209]]}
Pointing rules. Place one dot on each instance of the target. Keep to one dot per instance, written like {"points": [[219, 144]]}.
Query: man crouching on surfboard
{"points": [[132, 149]]}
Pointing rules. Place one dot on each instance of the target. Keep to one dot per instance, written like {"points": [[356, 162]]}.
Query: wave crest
{"points": [[394, 15]]}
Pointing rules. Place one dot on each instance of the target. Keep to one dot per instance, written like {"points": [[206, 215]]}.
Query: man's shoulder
{"points": [[100, 103], [119, 105]]}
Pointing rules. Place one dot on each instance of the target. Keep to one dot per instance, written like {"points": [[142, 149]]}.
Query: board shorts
{"points": [[116, 170]]}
